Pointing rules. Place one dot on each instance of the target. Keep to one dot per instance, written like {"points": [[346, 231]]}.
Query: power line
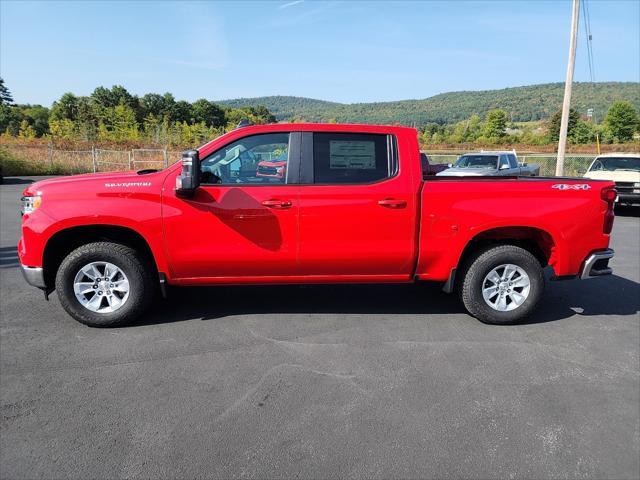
{"points": [[592, 75], [589, 38]]}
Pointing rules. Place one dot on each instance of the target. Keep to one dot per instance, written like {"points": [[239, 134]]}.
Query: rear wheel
{"points": [[105, 284], [502, 285]]}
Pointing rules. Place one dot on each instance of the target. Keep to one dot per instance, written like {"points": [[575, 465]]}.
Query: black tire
{"points": [[142, 283], [479, 267]]}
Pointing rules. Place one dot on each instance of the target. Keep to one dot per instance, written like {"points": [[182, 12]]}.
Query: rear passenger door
{"points": [[357, 208]]}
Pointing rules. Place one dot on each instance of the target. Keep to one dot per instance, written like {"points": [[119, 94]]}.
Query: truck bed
{"points": [[455, 210]]}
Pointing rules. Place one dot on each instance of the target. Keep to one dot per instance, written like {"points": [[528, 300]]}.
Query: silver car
{"points": [[489, 164]]}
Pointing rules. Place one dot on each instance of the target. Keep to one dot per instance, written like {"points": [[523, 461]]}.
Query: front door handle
{"points": [[276, 203], [392, 203]]}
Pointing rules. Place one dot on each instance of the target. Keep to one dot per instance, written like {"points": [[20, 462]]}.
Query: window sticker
{"points": [[352, 155]]}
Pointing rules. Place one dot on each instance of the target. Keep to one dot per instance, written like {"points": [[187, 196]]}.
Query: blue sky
{"points": [[346, 51]]}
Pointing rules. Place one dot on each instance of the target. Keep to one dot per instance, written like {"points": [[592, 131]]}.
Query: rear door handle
{"points": [[392, 203], [276, 203]]}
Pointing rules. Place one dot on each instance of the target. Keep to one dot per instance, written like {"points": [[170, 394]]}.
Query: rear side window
{"points": [[352, 158]]}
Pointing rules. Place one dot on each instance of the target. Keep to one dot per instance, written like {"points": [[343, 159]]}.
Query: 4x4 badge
{"points": [[572, 186]]}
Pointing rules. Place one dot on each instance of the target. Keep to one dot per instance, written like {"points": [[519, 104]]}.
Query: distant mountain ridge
{"points": [[533, 102]]}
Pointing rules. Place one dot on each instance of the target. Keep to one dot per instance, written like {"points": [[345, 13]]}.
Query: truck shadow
{"points": [[16, 181], [9, 257], [607, 296], [244, 214]]}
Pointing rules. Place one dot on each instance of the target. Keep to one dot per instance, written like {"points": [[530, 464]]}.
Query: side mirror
{"points": [[504, 167], [449, 165], [189, 178]]}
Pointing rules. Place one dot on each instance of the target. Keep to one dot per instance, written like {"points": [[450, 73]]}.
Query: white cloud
{"points": [[289, 4]]}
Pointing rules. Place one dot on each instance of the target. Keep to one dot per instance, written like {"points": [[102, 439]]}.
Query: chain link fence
{"points": [[49, 158]]}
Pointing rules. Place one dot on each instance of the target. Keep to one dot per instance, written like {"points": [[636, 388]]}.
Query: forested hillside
{"points": [[525, 115], [522, 104]]}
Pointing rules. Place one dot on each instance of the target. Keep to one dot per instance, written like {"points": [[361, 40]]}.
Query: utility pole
{"points": [[564, 122]]}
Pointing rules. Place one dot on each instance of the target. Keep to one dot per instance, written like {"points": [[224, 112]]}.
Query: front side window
{"points": [[504, 162], [254, 160], [351, 158], [513, 161]]}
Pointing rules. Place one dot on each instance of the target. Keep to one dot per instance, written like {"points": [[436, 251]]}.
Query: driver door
{"points": [[242, 221]]}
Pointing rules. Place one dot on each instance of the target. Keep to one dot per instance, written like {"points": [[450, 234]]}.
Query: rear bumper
{"points": [[597, 264], [34, 276]]}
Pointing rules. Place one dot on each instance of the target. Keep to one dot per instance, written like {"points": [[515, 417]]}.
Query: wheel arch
{"points": [[539, 242], [65, 241]]}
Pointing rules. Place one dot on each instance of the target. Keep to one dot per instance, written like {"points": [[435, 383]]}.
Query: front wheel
{"points": [[502, 285], [104, 284]]}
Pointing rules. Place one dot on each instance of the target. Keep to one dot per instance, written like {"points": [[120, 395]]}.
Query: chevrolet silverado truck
{"points": [[490, 164], [353, 206]]}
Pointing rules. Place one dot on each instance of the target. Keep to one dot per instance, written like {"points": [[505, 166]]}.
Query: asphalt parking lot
{"points": [[323, 382]]}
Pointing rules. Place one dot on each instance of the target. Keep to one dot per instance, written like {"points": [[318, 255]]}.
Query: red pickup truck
{"points": [[353, 207]]}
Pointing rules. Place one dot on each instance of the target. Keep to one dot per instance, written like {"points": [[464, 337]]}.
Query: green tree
{"points": [[495, 126], [554, 124], [621, 121], [119, 123], [154, 104], [5, 94], [116, 95], [26, 130], [88, 118], [38, 118], [181, 111], [263, 114], [583, 132], [208, 113], [10, 119], [65, 108]]}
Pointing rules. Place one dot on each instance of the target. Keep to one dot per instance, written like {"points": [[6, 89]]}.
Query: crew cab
{"points": [[353, 206], [490, 164]]}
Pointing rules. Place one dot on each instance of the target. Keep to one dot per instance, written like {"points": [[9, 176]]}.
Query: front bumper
{"points": [[597, 264], [34, 276], [631, 198]]}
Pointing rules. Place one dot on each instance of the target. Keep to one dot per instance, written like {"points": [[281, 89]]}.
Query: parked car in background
{"points": [[490, 164], [274, 168], [429, 168], [621, 168]]}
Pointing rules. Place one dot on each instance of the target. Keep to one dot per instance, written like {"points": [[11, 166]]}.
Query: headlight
{"points": [[30, 204]]}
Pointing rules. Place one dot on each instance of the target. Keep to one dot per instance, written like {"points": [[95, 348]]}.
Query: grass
{"points": [[40, 160], [12, 165]]}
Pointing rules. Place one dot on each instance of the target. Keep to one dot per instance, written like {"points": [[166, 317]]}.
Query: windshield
{"points": [[477, 161], [610, 164]]}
